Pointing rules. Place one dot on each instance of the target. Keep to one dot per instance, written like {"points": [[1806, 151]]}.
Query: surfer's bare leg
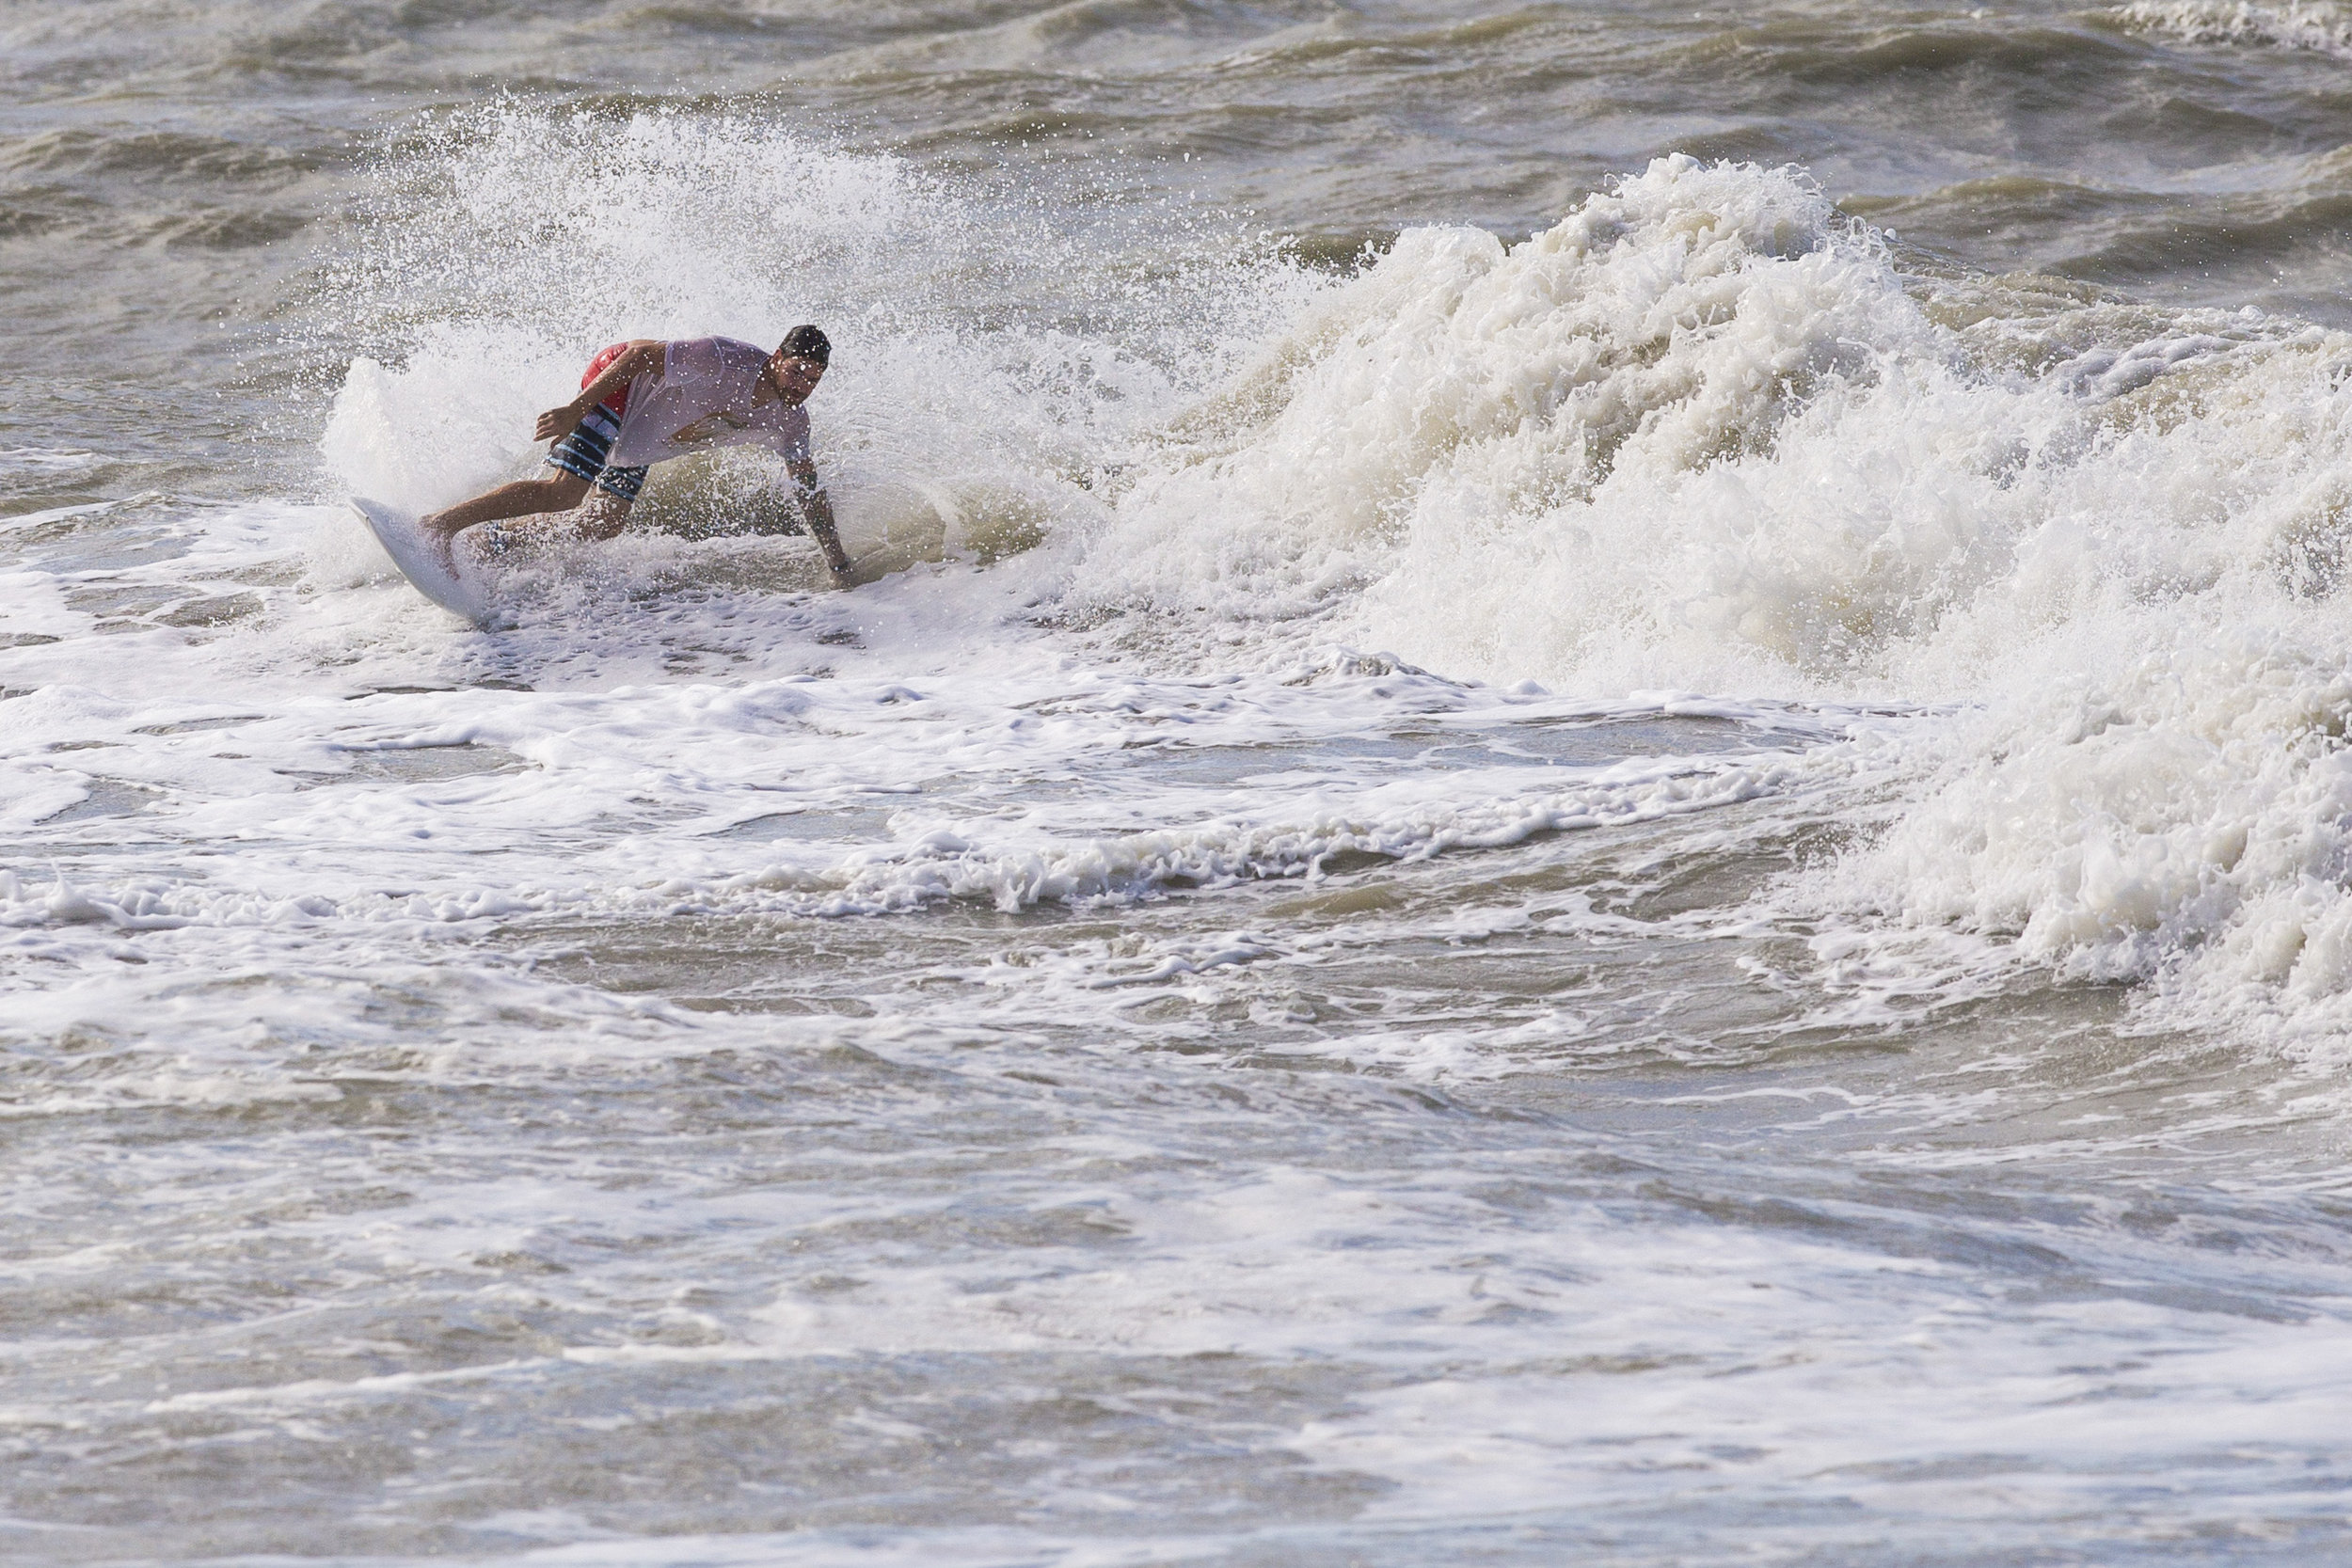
{"points": [[557, 492], [601, 517]]}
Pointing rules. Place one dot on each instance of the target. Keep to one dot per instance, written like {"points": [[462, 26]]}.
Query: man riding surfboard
{"points": [[646, 400]]}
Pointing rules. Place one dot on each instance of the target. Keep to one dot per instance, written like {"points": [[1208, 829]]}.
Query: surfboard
{"points": [[422, 565]]}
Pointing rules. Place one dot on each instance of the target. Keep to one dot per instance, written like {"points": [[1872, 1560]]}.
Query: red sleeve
{"points": [[618, 401]]}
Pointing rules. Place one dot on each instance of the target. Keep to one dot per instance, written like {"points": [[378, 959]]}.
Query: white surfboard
{"points": [[420, 563]]}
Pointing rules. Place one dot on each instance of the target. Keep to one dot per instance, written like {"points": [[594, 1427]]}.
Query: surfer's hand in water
{"points": [[559, 421], [816, 512]]}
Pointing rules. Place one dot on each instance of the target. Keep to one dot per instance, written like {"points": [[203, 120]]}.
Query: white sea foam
{"points": [[2320, 27], [538, 811], [1703, 433], [1457, 386]]}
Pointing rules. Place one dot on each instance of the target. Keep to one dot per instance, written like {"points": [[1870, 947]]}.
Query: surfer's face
{"points": [[794, 377]]}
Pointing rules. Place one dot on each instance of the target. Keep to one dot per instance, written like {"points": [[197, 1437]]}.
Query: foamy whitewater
{"points": [[1622, 842]]}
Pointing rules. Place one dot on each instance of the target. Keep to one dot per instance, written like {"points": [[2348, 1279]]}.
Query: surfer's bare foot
{"points": [[442, 539]]}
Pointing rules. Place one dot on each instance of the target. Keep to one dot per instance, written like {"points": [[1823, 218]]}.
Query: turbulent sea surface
{"points": [[1598, 810]]}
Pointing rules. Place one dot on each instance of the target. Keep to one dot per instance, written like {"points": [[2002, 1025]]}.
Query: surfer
{"points": [[646, 400]]}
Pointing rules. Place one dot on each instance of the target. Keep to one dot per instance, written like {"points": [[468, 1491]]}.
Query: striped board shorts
{"points": [[585, 449]]}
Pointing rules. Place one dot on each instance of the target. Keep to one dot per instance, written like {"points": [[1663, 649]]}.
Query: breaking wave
{"points": [[1706, 432]]}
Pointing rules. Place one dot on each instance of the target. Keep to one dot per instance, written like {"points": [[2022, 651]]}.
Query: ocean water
{"points": [[1593, 805]]}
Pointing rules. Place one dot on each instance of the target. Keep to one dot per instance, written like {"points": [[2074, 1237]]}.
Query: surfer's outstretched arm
{"points": [[818, 508]]}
